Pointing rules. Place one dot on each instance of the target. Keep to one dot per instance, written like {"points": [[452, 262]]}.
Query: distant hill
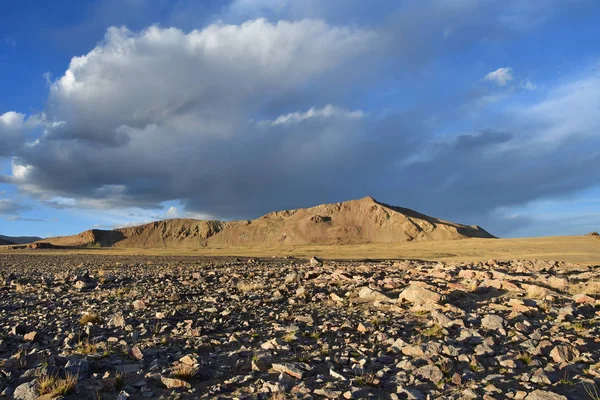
{"points": [[4, 242], [349, 222], [19, 239]]}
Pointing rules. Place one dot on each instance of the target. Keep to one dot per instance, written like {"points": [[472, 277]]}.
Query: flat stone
{"points": [[544, 395], [173, 383], [492, 322], [419, 295], [564, 353], [294, 370], [367, 293]]}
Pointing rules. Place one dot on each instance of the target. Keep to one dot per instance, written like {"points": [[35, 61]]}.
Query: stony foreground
{"points": [[106, 327]]}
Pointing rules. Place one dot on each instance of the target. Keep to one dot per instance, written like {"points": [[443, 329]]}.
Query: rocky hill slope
{"points": [[349, 222]]}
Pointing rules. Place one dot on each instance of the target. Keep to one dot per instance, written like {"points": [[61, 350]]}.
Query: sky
{"points": [[119, 112]]}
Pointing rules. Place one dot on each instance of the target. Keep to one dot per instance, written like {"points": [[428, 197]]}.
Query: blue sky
{"points": [[118, 112]]}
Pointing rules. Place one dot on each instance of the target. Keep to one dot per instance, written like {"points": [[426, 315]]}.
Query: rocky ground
{"points": [[106, 327]]}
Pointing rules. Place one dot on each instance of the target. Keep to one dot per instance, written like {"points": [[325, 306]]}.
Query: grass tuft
{"points": [[246, 287], [525, 358], [434, 331], [49, 384], [184, 371], [90, 317], [86, 348]]}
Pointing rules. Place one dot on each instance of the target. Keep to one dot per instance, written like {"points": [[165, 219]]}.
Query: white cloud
{"points": [[150, 116], [48, 78], [528, 85], [569, 109], [193, 78], [328, 111], [501, 76], [172, 212]]}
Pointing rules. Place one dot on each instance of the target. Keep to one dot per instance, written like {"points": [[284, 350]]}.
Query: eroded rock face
{"points": [[220, 328]]}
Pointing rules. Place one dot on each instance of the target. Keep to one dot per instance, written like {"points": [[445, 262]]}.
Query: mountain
{"points": [[20, 239], [4, 242], [350, 222]]}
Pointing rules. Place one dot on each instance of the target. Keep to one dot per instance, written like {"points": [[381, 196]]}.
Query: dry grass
{"points": [[19, 288], [592, 391], [86, 348], [249, 286], [90, 317], [537, 292], [289, 337], [576, 249], [55, 386], [591, 288], [184, 371]]}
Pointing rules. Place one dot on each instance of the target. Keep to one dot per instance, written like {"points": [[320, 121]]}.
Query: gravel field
{"points": [[106, 327]]}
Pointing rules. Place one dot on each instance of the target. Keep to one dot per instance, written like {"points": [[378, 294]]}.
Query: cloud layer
{"points": [[234, 120]]}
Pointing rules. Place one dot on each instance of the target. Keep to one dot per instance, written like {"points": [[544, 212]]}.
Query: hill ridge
{"points": [[357, 221]]}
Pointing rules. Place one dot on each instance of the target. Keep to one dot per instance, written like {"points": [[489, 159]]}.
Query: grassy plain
{"points": [[576, 249]]}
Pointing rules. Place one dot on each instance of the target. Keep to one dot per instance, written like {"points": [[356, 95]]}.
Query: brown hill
{"points": [[349, 222]]}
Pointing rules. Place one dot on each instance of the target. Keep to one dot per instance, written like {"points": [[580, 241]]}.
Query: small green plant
{"points": [[474, 367], [86, 347], [367, 379], [525, 358], [119, 380], [289, 337], [434, 331], [122, 291], [303, 358], [578, 326], [566, 381]]}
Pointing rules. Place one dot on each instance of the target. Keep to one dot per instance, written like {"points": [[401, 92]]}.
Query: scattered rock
{"points": [[419, 295], [544, 395], [564, 353], [351, 329], [173, 383]]}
